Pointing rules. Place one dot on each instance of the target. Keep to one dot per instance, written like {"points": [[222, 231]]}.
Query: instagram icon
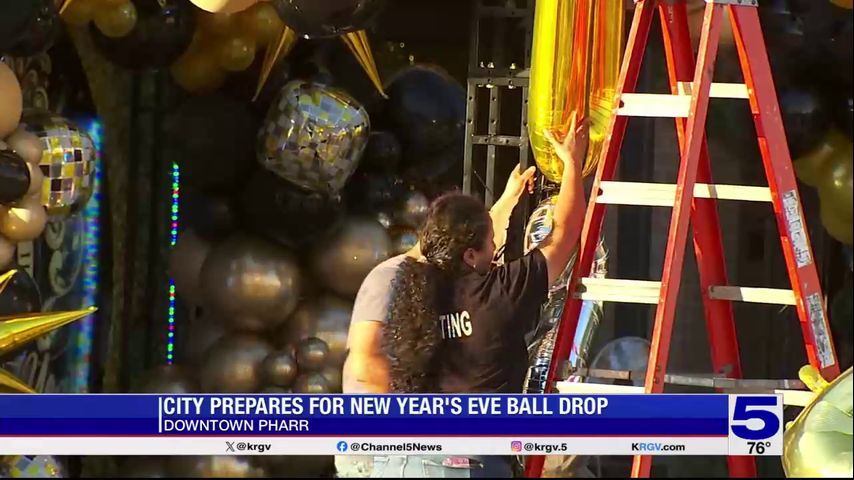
{"points": [[516, 446]]}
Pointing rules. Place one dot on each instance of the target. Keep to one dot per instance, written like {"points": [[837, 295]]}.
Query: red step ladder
{"points": [[694, 197]]}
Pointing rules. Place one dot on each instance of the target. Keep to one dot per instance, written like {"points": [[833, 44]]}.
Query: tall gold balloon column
{"points": [[575, 62]]}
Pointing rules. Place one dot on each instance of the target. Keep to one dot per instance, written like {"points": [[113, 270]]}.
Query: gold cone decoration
{"points": [[285, 43], [358, 43], [17, 330], [11, 383]]}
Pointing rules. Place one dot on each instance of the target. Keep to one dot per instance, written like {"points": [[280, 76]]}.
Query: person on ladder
{"points": [[457, 322]]}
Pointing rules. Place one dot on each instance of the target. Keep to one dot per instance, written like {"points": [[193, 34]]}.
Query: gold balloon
{"points": [[198, 72], [23, 221], [349, 254], [236, 53], [116, 21], [810, 168], [27, 145], [11, 101], [11, 383], [849, 4], [836, 189], [312, 383], [818, 444], [836, 225], [225, 6], [216, 24], [564, 80], [78, 12], [326, 317], [260, 22]]}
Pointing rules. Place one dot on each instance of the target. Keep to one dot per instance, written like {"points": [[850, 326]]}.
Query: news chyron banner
{"points": [[391, 424]]}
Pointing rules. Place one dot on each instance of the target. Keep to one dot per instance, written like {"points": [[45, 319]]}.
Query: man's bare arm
{"points": [[366, 367]]}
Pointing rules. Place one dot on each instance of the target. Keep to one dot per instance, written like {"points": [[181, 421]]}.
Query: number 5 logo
{"points": [[755, 408]]}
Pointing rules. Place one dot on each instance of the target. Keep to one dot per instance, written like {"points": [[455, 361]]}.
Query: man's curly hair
{"points": [[412, 336]]}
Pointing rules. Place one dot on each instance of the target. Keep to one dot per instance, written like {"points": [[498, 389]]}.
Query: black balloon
{"points": [[382, 153], [20, 296], [212, 216], [16, 16], [214, 141], [843, 113], [327, 18], [14, 177], [41, 31], [805, 118], [163, 31], [369, 192], [285, 213], [427, 112]]}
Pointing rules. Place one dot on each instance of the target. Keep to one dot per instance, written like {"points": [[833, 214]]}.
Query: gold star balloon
{"points": [[17, 330]]}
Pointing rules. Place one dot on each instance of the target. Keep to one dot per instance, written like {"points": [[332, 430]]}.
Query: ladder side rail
{"points": [[679, 223], [794, 235]]}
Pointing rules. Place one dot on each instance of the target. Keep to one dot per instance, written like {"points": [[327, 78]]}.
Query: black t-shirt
{"points": [[484, 319]]}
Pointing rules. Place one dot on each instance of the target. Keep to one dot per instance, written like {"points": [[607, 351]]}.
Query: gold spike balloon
{"points": [[17, 330]]}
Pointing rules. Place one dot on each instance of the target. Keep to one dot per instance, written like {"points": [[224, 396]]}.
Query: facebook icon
{"points": [[342, 446]]}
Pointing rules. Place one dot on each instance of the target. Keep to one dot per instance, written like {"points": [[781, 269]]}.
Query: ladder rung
{"points": [[667, 105], [718, 90], [798, 398], [664, 194], [618, 290], [774, 296], [653, 105], [499, 140], [692, 380]]}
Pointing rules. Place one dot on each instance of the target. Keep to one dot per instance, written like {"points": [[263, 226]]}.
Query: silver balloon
{"points": [[233, 365], [205, 331], [214, 467], [314, 383], [626, 353], [169, 379], [334, 376], [413, 209], [312, 354], [313, 136], [279, 369], [403, 239], [68, 162], [185, 264], [250, 283], [342, 262], [326, 317], [143, 467]]}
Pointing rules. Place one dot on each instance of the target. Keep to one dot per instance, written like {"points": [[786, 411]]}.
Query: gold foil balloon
{"points": [[250, 283], [236, 53], [349, 254], [11, 100], [313, 136], [818, 444], [326, 317], [811, 168], [115, 20], [10, 383], [565, 80], [233, 365], [260, 22], [67, 162], [836, 224], [78, 12], [836, 189], [312, 354], [168, 379], [279, 369]]}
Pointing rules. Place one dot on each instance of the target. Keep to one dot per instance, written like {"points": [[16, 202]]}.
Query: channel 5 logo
{"points": [[755, 417]]}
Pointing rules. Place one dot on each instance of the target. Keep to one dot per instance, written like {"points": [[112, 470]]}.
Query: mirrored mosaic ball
{"points": [[313, 136]]}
